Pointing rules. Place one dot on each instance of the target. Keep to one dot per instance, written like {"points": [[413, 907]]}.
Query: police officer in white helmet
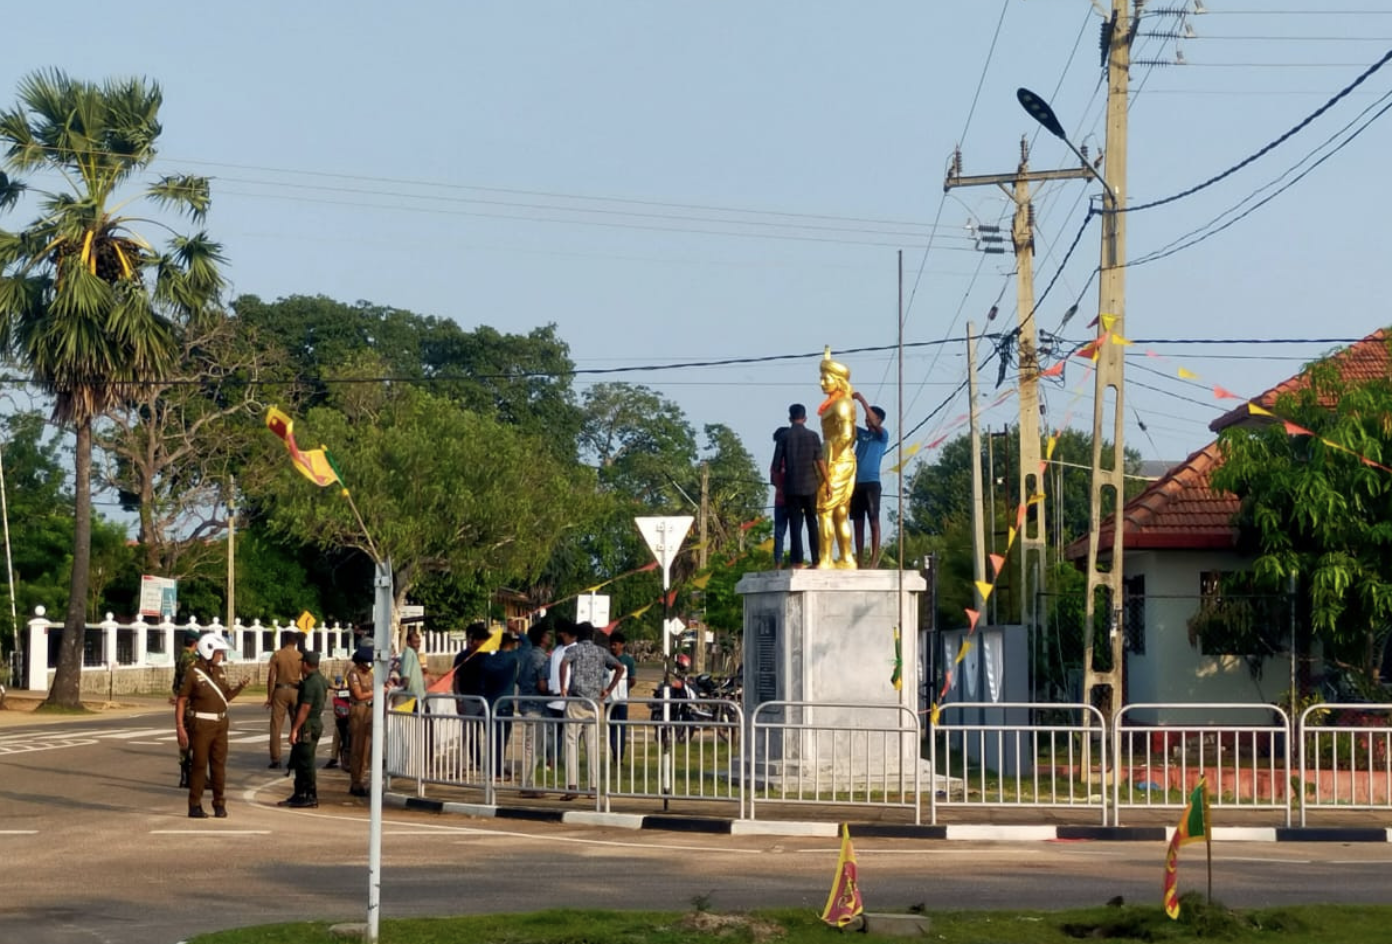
{"points": [[205, 694]]}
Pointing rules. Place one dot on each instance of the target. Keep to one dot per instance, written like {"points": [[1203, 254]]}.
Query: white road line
{"points": [[138, 732], [153, 743], [253, 739], [211, 831], [1267, 860], [19, 832]]}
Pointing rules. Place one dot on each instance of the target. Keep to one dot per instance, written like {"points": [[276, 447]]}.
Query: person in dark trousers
{"points": [[780, 502], [800, 456], [306, 725], [282, 689], [360, 689], [871, 440], [618, 701]]}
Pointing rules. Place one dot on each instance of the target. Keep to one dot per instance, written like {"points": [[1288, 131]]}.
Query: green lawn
{"points": [[1318, 924]]}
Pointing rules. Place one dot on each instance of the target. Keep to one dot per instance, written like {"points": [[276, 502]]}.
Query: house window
{"points": [[1133, 612], [1232, 619]]}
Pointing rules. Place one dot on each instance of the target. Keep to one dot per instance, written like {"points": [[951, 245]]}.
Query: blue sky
{"points": [[695, 181]]}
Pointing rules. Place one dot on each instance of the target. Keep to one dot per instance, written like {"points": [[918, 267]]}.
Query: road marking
{"points": [[253, 739], [153, 743], [1265, 859], [138, 732], [18, 832], [214, 831]]}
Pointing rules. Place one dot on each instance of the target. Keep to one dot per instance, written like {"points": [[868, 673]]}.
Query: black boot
{"points": [[183, 775], [291, 800]]}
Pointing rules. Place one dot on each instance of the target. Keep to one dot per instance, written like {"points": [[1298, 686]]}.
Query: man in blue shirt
{"points": [[865, 500]]}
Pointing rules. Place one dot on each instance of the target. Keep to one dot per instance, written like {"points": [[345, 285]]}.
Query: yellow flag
{"points": [[1254, 409], [984, 589], [1118, 339], [1187, 374], [1107, 322]]}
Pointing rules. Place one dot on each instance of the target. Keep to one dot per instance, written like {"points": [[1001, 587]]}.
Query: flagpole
{"points": [[372, 545]]}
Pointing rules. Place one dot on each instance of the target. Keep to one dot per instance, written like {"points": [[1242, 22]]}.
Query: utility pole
{"points": [[700, 646], [1111, 307], [231, 551], [1033, 536], [978, 524]]}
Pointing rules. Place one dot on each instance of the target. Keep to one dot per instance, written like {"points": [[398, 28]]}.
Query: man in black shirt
{"points": [[799, 454]]}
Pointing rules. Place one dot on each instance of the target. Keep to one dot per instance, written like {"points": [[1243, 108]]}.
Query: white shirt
{"points": [[553, 684]]}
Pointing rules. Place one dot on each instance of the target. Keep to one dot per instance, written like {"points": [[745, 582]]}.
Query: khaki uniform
{"points": [[205, 686], [359, 727], [284, 693]]}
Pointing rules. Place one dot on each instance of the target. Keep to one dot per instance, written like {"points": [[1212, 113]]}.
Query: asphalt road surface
{"points": [[96, 847]]}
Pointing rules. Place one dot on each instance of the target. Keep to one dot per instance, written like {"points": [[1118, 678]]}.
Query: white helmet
{"points": [[210, 643]]}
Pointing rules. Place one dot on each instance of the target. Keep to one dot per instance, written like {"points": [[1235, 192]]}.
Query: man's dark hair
{"points": [[565, 626], [477, 630], [797, 412], [584, 631], [538, 632], [617, 636], [879, 411]]}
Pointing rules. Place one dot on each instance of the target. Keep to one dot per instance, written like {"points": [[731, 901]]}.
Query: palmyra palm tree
{"points": [[88, 307]]}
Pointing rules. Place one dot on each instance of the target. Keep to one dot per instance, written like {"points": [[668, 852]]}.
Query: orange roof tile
{"points": [[1368, 359], [1178, 511]]}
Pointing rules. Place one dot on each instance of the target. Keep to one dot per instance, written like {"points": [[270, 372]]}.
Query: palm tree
{"points": [[88, 306]]}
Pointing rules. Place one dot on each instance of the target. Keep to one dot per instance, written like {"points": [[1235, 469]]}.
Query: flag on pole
{"points": [[1192, 828], [896, 678], [313, 464], [844, 902]]}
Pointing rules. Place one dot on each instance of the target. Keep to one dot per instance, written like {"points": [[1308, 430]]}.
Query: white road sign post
{"points": [[665, 537]]}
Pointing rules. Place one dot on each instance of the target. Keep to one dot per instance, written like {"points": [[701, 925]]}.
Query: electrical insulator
{"points": [[991, 315], [987, 228]]}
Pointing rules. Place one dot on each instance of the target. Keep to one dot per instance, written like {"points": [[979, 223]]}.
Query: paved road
{"points": [[97, 848]]}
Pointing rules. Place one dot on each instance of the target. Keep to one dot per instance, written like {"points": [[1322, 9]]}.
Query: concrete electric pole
{"points": [[1032, 535]]}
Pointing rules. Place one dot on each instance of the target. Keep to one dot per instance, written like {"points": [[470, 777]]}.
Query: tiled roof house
{"points": [[1178, 538]]}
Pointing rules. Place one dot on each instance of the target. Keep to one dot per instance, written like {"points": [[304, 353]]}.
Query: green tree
{"points": [[87, 306], [1315, 512], [441, 489]]}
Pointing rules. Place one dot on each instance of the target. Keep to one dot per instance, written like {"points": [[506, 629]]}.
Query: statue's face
{"points": [[828, 383]]}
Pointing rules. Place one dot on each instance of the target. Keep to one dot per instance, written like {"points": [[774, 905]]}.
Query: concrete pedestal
{"points": [[823, 641]]}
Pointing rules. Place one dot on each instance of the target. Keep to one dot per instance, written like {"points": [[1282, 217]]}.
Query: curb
{"points": [[941, 833]]}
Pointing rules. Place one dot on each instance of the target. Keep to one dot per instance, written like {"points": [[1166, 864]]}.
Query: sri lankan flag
{"points": [[314, 464], [896, 678], [1192, 828], [844, 902]]}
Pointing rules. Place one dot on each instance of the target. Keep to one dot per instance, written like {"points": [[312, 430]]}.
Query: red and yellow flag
{"points": [[313, 464], [844, 902], [1192, 828]]}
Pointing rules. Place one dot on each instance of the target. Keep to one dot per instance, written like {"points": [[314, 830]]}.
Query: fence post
{"points": [[38, 651], [141, 649], [109, 627]]}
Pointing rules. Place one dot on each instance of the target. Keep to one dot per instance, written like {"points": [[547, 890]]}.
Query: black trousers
{"points": [[802, 509], [302, 763]]}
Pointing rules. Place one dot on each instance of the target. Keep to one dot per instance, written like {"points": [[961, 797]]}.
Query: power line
{"points": [[1296, 129]]}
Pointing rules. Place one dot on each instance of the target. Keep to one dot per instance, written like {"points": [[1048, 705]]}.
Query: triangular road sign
{"points": [[664, 537]]}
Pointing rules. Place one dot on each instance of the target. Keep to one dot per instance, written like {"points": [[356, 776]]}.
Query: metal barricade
{"points": [[834, 754], [1158, 765], [1344, 763], [678, 749], [537, 751], [446, 744], [1017, 755]]}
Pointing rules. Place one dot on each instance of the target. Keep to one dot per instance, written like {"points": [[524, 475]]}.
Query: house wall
{"points": [[1171, 671]]}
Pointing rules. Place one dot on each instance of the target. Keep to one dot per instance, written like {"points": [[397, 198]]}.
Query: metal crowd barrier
{"points": [[834, 754], [1019, 754], [1344, 765], [681, 757], [1158, 765]]}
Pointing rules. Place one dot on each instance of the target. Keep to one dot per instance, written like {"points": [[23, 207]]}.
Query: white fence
{"points": [[982, 758], [117, 646]]}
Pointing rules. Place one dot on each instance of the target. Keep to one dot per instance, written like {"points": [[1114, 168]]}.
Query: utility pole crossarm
{"points": [[981, 180]]}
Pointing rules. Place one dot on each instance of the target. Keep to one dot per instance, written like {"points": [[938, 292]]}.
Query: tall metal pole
{"points": [[232, 551], [381, 664], [17, 646], [899, 557], [703, 558], [1108, 482], [978, 519]]}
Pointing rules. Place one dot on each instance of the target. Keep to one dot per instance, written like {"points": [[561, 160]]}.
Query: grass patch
{"points": [[1198, 922]]}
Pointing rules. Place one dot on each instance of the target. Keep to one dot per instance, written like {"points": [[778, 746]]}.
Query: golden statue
{"points": [[838, 413]]}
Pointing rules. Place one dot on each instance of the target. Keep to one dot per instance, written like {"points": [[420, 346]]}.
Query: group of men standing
{"points": [[828, 488]]}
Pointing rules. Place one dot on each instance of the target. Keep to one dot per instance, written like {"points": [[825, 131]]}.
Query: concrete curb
{"points": [[941, 833]]}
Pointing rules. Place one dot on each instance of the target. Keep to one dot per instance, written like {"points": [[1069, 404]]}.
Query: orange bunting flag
{"points": [[1222, 393], [1053, 370], [997, 562], [1255, 410], [844, 902], [751, 523], [650, 565], [984, 588], [1020, 516], [1089, 351], [937, 442], [973, 616], [1187, 374], [313, 464], [947, 683], [1293, 430]]}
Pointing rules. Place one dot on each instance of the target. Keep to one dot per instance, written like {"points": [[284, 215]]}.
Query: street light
{"points": [[1040, 111]]}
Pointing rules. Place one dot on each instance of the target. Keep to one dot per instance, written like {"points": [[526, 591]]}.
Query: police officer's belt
{"points": [[285, 685], [210, 715]]}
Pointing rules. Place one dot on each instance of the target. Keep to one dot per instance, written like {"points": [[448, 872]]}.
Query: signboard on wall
{"points": [[159, 597]]}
